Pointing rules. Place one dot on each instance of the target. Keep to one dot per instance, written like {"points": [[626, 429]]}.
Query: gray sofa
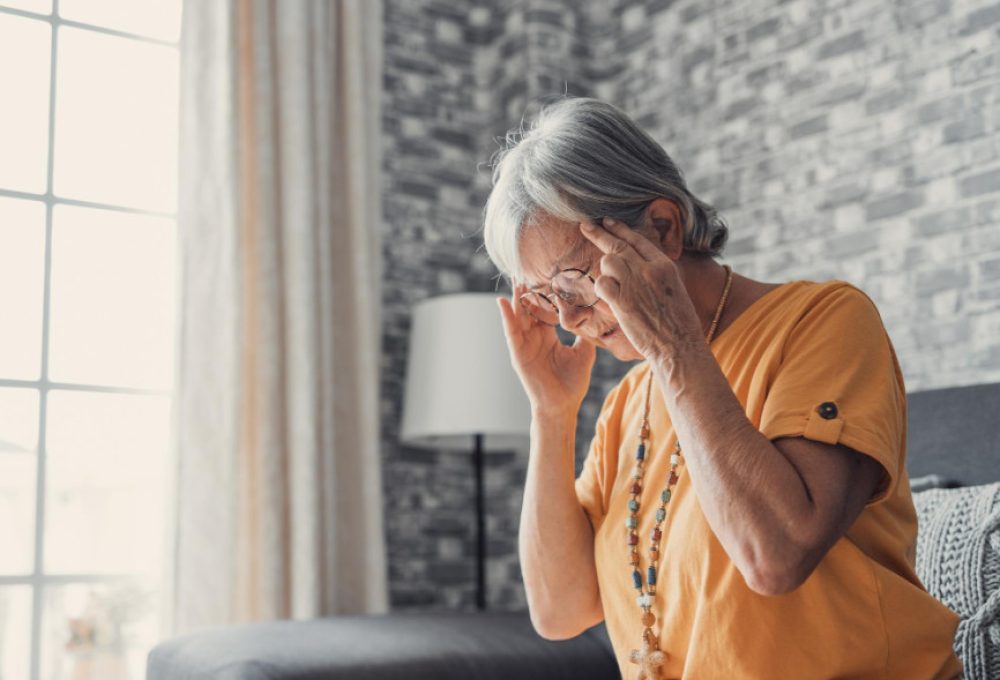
{"points": [[953, 447]]}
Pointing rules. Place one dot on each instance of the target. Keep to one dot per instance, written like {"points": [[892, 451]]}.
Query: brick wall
{"points": [[842, 139]]}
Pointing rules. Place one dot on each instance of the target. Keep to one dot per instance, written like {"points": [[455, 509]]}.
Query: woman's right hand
{"points": [[555, 376]]}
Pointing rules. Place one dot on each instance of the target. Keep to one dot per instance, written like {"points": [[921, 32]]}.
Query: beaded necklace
{"points": [[650, 657]]}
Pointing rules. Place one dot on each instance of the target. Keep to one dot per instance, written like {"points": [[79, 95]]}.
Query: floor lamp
{"points": [[462, 392]]}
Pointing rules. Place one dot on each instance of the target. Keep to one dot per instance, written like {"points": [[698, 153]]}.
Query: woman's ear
{"points": [[664, 218]]}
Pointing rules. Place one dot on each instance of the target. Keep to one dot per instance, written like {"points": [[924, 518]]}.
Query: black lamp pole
{"points": [[480, 528]]}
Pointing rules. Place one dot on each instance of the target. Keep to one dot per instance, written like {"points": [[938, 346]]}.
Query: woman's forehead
{"points": [[548, 248]]}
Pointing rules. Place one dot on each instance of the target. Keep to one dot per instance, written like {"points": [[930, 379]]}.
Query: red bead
{"points": [[657, 534], [673, 479], [633, 538], [636, 488]]}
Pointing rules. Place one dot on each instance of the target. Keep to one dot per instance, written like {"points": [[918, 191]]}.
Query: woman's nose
{"points": [[571, 316]]}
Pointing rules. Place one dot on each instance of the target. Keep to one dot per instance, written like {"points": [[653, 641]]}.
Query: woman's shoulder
{"points": [[836, 298], [801, 299]]}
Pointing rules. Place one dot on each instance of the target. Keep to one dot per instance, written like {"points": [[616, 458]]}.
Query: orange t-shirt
{"points": [[863, 612]]}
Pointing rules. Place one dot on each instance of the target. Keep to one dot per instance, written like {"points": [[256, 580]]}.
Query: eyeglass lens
{"points": [[572, 286]]}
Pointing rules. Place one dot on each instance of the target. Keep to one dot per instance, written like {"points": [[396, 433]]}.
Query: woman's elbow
{"points": [[777, 576], [561, 627], [552, 630]]}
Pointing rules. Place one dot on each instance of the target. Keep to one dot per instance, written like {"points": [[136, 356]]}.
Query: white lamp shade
{"points": [[459, 380]]}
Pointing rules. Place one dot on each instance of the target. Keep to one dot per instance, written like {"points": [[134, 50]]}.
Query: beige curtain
{"points": [[278, 489]]}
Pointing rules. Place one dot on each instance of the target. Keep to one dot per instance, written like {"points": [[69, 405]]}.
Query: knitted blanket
{"points": [[958, 560]]}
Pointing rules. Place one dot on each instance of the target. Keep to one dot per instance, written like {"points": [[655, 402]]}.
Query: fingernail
{"points": [[589, 226], [608, 221]]}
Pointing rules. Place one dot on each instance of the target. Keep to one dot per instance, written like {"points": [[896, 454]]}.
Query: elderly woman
{"points": [[744, 509]]}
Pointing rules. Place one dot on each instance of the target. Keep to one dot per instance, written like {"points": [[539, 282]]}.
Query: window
{"points": [[88, 186]]}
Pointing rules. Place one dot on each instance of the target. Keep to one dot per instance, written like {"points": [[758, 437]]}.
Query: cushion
{"points": [[958, 560], [407, 645], [931, 482]]}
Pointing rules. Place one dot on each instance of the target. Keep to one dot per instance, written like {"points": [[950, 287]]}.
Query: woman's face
{"points": [[553, 245]]}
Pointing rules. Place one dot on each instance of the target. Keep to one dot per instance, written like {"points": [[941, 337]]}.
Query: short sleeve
{"points": [[839, 383], [592, 482]]}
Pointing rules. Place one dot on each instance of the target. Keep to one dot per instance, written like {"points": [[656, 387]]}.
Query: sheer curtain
{"points": [[278, 493]]}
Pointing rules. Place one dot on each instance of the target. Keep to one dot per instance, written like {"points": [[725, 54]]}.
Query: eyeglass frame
{"points": [[552, 290]]}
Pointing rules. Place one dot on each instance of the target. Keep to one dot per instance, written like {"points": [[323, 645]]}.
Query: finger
{"points": [[524, 319], [583, 344], [646, 249], [617, 267], [509, 322], [608, 288], [606, 241], [584, 348]]}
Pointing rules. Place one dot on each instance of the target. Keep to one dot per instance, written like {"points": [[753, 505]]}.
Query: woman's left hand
{"points": [[644, 289]]}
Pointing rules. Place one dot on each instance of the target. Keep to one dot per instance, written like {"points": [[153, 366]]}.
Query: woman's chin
{"points": [[621, 349]]}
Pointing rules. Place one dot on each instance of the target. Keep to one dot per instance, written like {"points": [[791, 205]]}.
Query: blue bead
{"points": [[660, 514], [665, 496], [651, 576], [633, 505], [631, 522], [640, 453], [637, 579]]}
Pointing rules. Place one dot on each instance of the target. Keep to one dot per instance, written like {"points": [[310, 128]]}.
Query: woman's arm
{"points": [[555, 539], [776, 507]]}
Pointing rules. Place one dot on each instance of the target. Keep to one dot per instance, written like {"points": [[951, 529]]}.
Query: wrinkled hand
{"points": [[644, 289], [555, 376]]}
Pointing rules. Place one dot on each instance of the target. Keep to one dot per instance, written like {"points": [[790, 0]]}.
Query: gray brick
{"points": [[811, 126], [842, 45], [694, 11], [980, 19], [945, 107], [848, 192], [947, 277], [973, 67], [970, 127], [915, 15], [897, 204], [417, 189], [885, 101], [982, 183], [845, 92], [808, 80], [988, 212], [740, 108], [696, 57], [951, 219], [846, 245], [761, 76], [763, 29], [990, 269]]}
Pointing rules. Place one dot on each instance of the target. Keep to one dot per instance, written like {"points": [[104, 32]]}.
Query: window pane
{"points": [[39, 6], [116, 121], [112, 302], [105, 482], [15, 631], [22, 274], [18, 465], [24, 115], [98, 631], [155, 18], [17, 508], [18, 421]]}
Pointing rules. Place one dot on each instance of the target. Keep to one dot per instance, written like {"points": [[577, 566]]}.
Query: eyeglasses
{"points": [[572, 286]]}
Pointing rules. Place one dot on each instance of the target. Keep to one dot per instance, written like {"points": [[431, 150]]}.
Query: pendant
{"points": [[649, 659]]}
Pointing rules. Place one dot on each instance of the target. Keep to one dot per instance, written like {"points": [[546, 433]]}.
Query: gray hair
{"points": [[583, 159]]}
